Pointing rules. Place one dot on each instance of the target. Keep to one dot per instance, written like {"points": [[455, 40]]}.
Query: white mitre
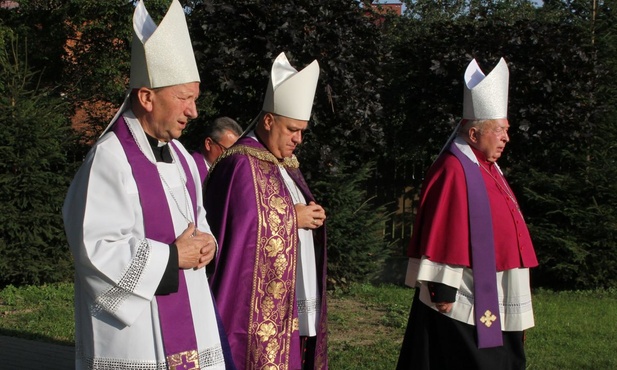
{"points": [[486, 97], [160, 55], [291, 93]]}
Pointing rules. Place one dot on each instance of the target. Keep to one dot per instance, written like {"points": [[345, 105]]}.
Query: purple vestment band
{"points": [[174, 309], [201, 166], [486, 305]]}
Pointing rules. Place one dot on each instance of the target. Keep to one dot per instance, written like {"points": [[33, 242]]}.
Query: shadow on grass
{"points": [[35, 337]]}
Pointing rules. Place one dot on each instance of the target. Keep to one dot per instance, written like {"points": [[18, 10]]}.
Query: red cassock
{"points": [[441, 229]]}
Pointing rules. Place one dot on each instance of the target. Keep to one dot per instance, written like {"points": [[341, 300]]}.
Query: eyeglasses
{"points": [[223, 147]]}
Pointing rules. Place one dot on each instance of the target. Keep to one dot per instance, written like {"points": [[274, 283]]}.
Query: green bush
{"points": [[354, 227], [33, 178]]}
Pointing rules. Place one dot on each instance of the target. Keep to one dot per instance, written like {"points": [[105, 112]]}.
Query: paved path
{"points": [[23, 354]]}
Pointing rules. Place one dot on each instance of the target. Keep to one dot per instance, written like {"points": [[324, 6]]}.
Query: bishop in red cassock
{"points": [[470, 250]]}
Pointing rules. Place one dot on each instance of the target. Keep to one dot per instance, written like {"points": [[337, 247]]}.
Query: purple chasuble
{"points": [[252, 215], [201, 166], [175, 316], [486, 307]]}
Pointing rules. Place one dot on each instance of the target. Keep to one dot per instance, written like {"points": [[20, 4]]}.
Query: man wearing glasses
{"points": [[218, 137]]}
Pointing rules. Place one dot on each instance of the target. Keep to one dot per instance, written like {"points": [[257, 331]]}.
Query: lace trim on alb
{"points": [[114, 296], [309, 305], [509, 308], [209, 357]]}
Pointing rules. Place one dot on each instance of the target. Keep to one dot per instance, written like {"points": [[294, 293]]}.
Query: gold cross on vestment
{"points": [[188, 360], [488, 318]]}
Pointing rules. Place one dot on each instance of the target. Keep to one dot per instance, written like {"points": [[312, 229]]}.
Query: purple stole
{"points": [[175, 316], [486, 307], [201, 166]]}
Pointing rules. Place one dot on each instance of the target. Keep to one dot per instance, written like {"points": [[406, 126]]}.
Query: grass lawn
{"points": [[574, 330]]}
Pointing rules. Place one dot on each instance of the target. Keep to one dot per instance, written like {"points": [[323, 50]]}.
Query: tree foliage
{"points": [[355, 230], [558, 157], [449, 10], [390, 92], [33, 175], [572, 201], [236, 42]]}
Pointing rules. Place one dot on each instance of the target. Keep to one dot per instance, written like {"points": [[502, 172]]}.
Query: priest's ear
{"points": [[268, 121], [472, 134], [141, 99]]}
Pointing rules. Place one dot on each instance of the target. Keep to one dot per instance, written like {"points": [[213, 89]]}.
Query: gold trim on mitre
{"points": [[486, 97]]}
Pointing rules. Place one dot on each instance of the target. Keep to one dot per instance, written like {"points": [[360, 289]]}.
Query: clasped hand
{"points": [[311, 216], [195, 248]]}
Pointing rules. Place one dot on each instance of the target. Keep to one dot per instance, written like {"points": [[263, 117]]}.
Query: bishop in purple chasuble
{"points": [[252, 215]]}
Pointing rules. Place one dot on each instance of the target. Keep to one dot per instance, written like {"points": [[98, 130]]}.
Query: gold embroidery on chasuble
{"points": [[271, 321], [274, 247]]}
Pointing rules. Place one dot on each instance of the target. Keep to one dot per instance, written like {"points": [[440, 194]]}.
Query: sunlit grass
{"points": [[574, 330], [43, 313]]}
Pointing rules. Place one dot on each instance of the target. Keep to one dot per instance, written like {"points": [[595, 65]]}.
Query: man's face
{"points": [[284, 134], [492, 139], [170, 110], [214, 148]]}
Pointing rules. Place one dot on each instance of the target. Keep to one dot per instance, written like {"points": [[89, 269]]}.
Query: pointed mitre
{"points": [[291, 93], [161, 56], [486, 97]]}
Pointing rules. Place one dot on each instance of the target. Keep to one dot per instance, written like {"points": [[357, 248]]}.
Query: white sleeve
{"points": [[118, 267], [424, 270]]}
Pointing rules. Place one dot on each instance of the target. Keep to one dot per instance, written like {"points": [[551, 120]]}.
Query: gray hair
{"points": [[220, 125], [480, 124]]}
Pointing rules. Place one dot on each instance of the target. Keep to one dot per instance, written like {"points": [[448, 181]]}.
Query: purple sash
{"points": [[201, 166], [175, 316], [486, 308]]}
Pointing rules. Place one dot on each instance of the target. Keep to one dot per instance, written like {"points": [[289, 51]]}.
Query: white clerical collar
{"points": [[252, 135], [464, 147]]}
